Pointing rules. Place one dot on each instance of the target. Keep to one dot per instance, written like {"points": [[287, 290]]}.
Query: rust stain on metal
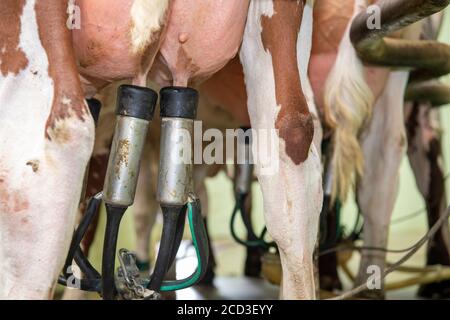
{"points": [[123, 151]]}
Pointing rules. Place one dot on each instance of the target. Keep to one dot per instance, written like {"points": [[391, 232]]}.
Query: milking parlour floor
{"points": [[233, 285]]}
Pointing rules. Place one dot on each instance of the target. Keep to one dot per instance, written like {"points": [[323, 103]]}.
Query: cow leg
{"points": [[96, 174], [291, 178], [328, 264], [383, 144], [48, 132], [425, 158]]}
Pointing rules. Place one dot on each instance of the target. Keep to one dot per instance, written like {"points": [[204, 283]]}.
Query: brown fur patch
{"points": [[331, 18], [12, 58], [56, 39], [279, 37], [93, 54], [297, 130]]}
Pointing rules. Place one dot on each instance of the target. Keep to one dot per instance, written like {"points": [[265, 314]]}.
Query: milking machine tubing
{"points": [[135, 108], [242, 189], [93, 278], [175, 189], [117, 200], [200, 241]]}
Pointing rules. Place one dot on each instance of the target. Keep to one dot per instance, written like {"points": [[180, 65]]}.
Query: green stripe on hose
{"points": [[191, 280]]}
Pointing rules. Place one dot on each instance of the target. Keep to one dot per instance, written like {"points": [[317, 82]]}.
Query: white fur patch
{"points": [[147, 17]]}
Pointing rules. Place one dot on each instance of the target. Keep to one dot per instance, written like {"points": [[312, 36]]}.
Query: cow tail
{"points": [[348, 105]]}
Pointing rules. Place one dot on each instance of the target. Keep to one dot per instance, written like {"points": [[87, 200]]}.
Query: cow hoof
{"points": [[437, 290]]}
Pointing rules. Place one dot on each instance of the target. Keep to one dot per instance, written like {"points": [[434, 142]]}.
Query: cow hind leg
{"points": [[425, 157], [50, 138], [328, 264], [288, 165], [383, 144]]}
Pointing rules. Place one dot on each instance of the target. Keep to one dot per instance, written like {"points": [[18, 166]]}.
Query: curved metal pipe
{"points": [[430, 58], [434, 92]]}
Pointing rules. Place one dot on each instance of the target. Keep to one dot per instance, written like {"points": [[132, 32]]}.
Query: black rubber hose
{"points": [[258, 242], [200, 240], [91, 211], [85, 266], [95, 106], [178, 236], [246, 217], [201, 236], [166, 247], [92, 285], [114, 216]]}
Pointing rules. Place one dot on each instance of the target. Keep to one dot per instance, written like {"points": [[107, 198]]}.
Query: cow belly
{"points": [[226, 89], [202, 36], [116, 35], [103, 39]]}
